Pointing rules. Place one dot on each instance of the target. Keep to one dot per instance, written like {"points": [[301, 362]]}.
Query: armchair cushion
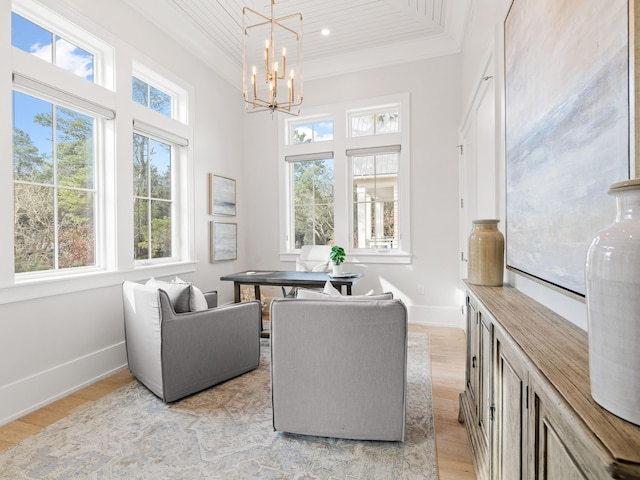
{"points": [[179, 293]]}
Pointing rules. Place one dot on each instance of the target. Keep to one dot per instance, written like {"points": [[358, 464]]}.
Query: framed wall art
{"points": [[222, 195], [223, 241], [567, 122]]}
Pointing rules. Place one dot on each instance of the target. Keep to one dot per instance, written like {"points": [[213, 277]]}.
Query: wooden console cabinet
{"points": [[527, 402]]}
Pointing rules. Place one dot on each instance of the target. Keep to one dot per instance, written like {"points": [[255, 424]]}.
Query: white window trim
{"points": [[115, 233], [339, 145]]}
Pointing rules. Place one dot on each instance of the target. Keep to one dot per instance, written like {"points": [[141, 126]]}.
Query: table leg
{"points": [[236, 292], [348, 289]]}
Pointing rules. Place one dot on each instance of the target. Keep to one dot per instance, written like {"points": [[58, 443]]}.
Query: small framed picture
{"points": [[223, 243], [222, 195]]}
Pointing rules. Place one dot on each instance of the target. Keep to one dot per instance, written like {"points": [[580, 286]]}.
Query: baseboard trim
{"points": [[435, 316], [36, 391]]}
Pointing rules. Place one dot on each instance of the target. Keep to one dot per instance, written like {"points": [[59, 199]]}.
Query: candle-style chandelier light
{"points": [[271, 61]]}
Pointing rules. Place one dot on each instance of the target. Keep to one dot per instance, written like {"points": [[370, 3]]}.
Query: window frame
{"points": [[343, 182], [113, 174]]}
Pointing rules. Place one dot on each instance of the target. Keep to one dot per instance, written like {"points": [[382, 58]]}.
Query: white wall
{"points": [[484, 37], [434, 88], [53, 345]]}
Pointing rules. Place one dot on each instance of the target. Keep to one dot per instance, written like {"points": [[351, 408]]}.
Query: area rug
{"points": [[224, 432]]}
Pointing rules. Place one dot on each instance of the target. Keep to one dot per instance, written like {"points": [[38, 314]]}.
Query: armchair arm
{"points": [[211, 298], [201, 349]]}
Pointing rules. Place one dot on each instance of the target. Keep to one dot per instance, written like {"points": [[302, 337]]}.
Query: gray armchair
{"points": [[177, 354], [338, 368]]}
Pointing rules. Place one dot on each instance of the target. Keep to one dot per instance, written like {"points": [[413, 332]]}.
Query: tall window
{"points": [[375, 199], [313, 215], [54, 186], [348, 179], [153, 199]]}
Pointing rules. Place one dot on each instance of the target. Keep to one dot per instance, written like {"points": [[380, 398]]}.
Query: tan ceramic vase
{"points": [[486, 254]]}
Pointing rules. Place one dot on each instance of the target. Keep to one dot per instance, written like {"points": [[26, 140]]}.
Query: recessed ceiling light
{"points": [[325, 32]]}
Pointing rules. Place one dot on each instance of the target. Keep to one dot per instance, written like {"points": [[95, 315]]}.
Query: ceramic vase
{"points": [[486, 254], [612, 277], [336, 269]]}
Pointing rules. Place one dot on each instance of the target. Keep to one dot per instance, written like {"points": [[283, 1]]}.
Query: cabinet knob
{"points": [[473, 361]]}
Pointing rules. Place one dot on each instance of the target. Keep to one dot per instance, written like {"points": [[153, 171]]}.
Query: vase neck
{"points": [[627, 205]]}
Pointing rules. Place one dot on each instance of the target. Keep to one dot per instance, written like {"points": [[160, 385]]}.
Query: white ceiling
{"points": [[364, 33]]}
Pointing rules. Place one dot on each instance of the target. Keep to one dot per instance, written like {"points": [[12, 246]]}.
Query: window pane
{"points": [[152, 198], [38, 186], [160, 169], [362, 125], [32, 139], [34, 39], [378, 123], [387, 123], [375, 197], [31, 38], [313, 202], [74, 148], [312, 132], [160, 229], [140, 92], [141, 229], [76, 228], [73, 59], [34, 239], [323, 131], [302, 134], [140, 168], [160, 101]]}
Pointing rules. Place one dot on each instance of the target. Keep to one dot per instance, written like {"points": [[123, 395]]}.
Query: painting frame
{"points": [[223, 241], [222, 195], [567, 142]]}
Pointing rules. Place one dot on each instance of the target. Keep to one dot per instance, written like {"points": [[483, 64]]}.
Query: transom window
{"points": [[152, 97], [376, 122], [50, 47], [309, 132]]}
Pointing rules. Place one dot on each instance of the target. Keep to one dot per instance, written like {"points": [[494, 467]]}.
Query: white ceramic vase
{"points": [[486, 253], [612, 276], [337, 269]]}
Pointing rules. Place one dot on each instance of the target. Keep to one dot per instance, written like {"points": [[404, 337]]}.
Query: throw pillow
{"points": [[179, 293], [330, 290], [197, 302]]}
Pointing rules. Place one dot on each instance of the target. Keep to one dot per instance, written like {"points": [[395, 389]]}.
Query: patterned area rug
{"points": [[224, 432]]}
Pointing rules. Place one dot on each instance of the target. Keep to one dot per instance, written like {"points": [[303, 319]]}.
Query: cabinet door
{"points": [[472, 353], [484, 384], [510, 397], [557, 451]]}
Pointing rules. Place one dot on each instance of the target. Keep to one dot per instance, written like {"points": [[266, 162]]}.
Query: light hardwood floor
{"points": [[447, 370]]}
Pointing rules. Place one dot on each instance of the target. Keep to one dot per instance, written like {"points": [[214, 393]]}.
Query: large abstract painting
{"points": [[567, 131]]}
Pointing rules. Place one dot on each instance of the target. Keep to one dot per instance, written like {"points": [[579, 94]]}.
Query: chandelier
{"points": [[271, 61]]}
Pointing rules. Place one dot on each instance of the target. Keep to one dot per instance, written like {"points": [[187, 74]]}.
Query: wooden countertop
{"points": [[560, 351]]}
